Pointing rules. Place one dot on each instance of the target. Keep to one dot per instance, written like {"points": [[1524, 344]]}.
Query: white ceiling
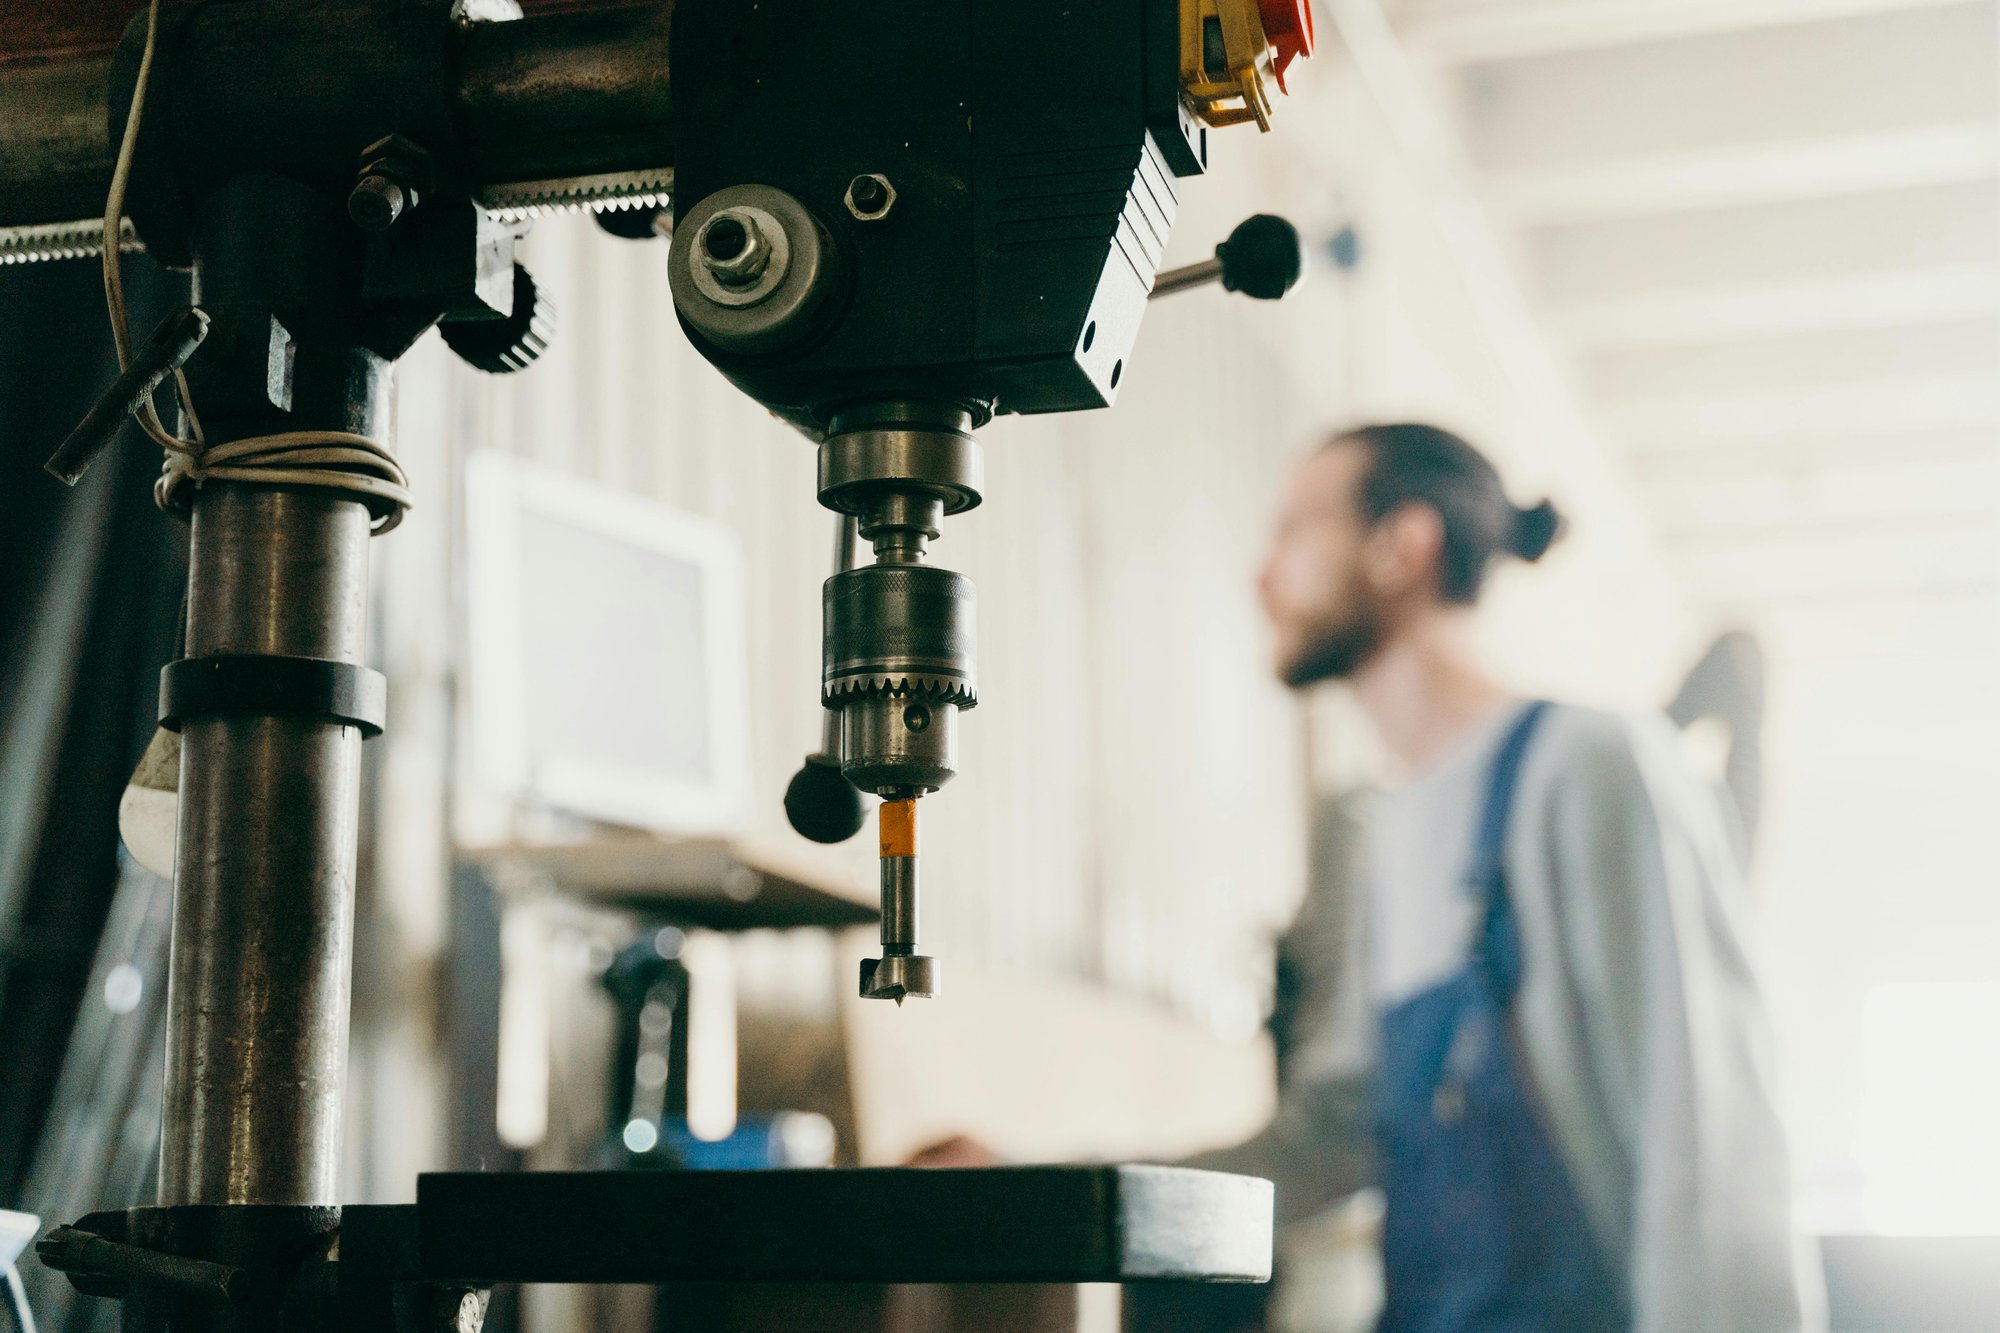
{"points": [[1766, 235]]}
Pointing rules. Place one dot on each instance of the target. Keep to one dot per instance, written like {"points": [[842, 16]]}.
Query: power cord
{"points": [[325, 459]]}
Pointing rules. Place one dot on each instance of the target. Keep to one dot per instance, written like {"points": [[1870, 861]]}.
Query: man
{"points": [[1571, 1110], [1553, 1060]]}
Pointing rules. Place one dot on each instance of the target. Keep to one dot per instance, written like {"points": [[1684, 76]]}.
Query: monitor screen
{"points": [[607, 660]]}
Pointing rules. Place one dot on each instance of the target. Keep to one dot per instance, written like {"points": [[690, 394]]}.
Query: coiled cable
{"points": [[325, 459]]}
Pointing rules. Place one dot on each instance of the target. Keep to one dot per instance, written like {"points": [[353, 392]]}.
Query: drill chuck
{"points": [[907, 628], [899, 643]]}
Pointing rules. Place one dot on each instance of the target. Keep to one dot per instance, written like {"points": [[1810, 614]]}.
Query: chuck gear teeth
{"points": [[938, 689]]}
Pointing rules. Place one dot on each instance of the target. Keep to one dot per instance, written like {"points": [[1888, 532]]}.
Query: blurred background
{"points": [[1723, 278]]}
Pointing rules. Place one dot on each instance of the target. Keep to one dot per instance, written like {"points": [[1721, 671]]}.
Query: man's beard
{"points": [[1337, 651]]}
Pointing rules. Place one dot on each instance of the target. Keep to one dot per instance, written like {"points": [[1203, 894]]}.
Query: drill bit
{"points": [[901, 971]]}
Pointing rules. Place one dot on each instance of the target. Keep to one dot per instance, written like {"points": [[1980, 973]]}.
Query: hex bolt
{"points": [[376, 202], [870, 197], [393, 172], [734, 248]]}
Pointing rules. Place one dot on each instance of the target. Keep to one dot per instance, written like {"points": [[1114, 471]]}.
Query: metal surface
{"points": [[899, 900], [844, 541], [1011, 1224], [561, 111], [902, 738], [1204, 274], [518, 201], [81, 239], [907, 628], [85, 1253], [168, 349], [741, 256], [869, 198], [901, 972], [899, 977], [567, 96], [55, 144], [861, 465], [257, 1005], [761, 291], [899, 637], [512, 342]]}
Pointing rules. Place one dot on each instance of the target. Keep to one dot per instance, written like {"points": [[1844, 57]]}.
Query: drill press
{"points": [[893, 221]]}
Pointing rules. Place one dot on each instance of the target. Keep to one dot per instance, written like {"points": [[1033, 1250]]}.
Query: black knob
{"points": [[510, 342], [822, 804], [1262, 257]]}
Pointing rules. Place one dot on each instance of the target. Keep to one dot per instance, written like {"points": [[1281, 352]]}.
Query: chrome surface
{"points": [[521, 201], [257, 1007], [898, 742], [81, 239], [1186, 278], [899, 901], [771, 309], [901, 627], [741, 256], [860, 468], [899, 977]]}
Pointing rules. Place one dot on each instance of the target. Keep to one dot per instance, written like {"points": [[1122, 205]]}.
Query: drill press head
{"points": [[887, 261]]}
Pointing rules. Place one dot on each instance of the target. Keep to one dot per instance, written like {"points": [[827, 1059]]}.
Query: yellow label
{"points": [[899, 828]]}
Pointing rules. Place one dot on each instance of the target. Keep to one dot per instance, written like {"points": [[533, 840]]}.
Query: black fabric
{"points": [[88, 609]]}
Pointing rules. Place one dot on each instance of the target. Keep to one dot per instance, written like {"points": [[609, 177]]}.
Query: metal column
{"points": [[257, 1009], [264, 881]]}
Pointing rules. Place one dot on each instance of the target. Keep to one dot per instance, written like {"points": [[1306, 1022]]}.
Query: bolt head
{"points": [[734, 248], [376, 202]]}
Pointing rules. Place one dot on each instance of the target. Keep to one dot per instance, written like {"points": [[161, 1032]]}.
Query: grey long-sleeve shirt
{"points": [[1639, 1013]]}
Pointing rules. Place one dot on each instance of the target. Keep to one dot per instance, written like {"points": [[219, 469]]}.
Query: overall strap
{"points": [[1497, 952]]}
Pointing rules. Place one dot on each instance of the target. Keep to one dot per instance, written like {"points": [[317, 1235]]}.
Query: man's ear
{"points": [[1403, 550]]}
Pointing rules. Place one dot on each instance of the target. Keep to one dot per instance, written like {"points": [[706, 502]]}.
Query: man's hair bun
{"points": [[1535, 530]]}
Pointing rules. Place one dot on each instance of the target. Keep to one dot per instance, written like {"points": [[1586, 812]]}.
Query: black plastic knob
{"points": [[511, 342], [1262, 258], [822, 804]]}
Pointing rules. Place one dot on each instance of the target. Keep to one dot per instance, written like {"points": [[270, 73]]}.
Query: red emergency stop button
{"points": [[1288, 24]]}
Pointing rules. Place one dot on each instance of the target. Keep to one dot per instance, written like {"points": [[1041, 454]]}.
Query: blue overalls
{"points": [[1483, 1231]]}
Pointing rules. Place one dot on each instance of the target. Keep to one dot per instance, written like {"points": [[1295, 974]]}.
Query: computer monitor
{"points": [[608, 661]]}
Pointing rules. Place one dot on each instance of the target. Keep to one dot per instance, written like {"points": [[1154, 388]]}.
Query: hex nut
{"points": [[870, 197]]}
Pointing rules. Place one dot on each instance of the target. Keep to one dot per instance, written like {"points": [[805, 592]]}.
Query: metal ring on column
{"points": [[264, 685]]}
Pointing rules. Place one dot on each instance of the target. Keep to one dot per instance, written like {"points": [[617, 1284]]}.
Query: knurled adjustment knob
{"points": [[512, 341]]}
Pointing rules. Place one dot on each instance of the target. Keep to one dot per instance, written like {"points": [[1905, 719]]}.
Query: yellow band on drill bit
{"points": [[899, 827]]}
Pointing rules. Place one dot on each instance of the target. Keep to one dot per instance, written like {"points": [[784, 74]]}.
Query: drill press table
{"points": [[1004, 1224]]}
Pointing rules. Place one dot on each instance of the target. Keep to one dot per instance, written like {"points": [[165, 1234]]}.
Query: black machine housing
{"points": [[1033, 196]]}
